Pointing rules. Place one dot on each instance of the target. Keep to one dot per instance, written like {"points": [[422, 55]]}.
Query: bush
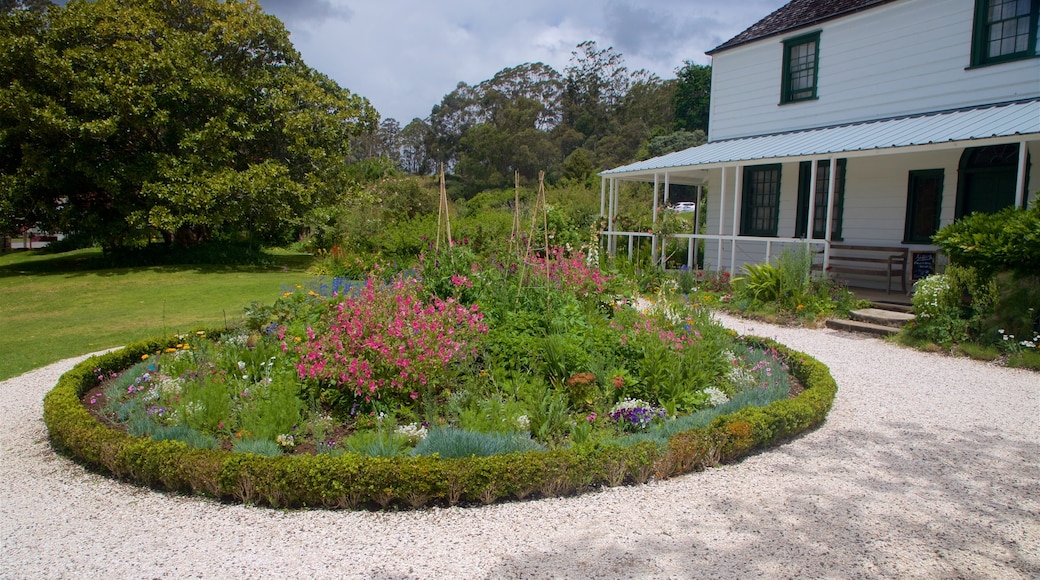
{"points": [[1008, 240]]}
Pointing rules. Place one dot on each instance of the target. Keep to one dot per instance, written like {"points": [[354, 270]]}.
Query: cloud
{"points": [[306, 11]]}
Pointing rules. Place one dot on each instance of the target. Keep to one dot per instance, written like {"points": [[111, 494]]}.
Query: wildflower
{"points": [[591, 418], [144, 357]]}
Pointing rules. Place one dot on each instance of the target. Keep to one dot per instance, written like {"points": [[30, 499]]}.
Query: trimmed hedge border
{"points": [[357, 482]]}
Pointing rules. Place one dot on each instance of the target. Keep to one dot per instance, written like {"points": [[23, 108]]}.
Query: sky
{"points": [[405, 55]]}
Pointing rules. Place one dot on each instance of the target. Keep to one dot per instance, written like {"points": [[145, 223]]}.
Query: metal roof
{"points": [[796, 14], [942, 127]]}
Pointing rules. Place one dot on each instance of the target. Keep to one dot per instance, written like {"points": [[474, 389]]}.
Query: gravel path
{"points": [[928, 467]]}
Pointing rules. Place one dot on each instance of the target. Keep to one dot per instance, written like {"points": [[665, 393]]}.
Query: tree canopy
{"points": [[189, 119], [528, 118]]}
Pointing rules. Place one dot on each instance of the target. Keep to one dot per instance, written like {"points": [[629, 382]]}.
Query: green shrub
{"points": [[1001, 241], [937, 305], [1016, 308]]}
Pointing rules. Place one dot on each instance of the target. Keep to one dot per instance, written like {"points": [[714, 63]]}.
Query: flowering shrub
{"points": [[937, 306], [387, 343], [571, 271]]}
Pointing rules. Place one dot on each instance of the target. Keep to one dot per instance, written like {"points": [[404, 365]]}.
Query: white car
{"points": [[685, 207]]}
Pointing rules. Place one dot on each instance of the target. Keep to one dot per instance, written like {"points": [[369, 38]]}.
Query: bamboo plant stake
{"points": [[514, 236]]}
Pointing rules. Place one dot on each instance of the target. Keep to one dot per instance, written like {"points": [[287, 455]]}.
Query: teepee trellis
{"points": [[442, 215], [539, 207]]}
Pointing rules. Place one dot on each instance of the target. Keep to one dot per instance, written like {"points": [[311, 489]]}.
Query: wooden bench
{"points": [[885, 261]]}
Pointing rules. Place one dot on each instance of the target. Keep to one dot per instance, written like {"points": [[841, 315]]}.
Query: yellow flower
{"points": [[312, 293], [171, 349], [144, 357], [286, 294], [801, 307]]}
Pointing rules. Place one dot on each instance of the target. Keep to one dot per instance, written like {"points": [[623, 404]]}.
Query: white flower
{"points": [[286, 441], [415, 432], [523, 422], [716, 397]]}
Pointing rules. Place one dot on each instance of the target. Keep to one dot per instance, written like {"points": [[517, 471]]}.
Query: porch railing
{"points": [[658, 250]]}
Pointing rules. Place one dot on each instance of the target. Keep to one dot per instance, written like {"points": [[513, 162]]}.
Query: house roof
{"points": [[797, 14], [936, 129]]}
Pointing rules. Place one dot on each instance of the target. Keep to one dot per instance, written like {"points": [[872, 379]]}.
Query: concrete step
{"points": [[893, 306], [857, 326], [882, 317]]}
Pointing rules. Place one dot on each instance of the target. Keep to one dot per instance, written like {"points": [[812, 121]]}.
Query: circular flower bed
{"points": [[437, 388]]}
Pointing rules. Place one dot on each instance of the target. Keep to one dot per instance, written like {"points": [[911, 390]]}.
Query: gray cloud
{"points": [[306, 11]]}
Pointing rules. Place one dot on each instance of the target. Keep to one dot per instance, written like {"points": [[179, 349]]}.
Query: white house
{"points": [[929, 109]]}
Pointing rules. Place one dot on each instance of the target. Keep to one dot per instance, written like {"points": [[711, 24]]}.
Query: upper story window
{"points": [[801, 64], [1004, 30]]}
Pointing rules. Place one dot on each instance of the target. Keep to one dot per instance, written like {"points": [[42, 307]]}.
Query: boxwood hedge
{"points": [[359, 482]]}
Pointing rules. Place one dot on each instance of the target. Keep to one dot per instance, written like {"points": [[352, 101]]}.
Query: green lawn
{"points": [[53, 307]]}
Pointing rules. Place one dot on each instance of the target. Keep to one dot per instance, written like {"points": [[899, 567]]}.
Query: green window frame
{"points": [[1004, 30], [923, 205], [801, 68], [760, 201], [820, 211]]}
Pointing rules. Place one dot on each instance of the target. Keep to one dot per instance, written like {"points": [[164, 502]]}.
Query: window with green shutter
{"points": [[760, 210], [1004, 30], [801, 68]]}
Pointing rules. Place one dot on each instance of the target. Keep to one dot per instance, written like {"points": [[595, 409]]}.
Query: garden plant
{"points": [[517, 361], [986, 303]]}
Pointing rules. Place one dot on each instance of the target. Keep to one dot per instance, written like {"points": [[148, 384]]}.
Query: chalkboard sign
{"points": [[923, 265]]}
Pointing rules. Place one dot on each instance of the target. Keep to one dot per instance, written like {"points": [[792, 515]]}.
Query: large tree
{"points": [[692, 97], [123, 119]]}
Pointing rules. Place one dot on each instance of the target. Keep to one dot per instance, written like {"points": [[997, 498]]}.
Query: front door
{"points": [[987, 179]]}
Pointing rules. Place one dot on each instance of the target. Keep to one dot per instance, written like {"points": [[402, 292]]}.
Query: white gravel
{"points": [[928, 467]]}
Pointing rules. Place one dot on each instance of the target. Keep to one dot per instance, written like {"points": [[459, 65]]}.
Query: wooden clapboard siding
{"points": [[898, 58]]}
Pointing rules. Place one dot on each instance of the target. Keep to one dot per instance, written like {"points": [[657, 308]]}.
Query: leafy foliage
{"points": [[1008, 240], [354, 481], [208, 126], [788, 288]]}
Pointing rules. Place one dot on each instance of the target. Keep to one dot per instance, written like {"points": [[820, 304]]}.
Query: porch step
{"points": [[893, 306], [865, 327], [881, 316]]}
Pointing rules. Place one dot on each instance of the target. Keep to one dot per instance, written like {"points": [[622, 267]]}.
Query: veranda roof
{"points": [[1010, 119]]}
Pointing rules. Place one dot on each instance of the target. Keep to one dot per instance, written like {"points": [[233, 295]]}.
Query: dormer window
{"points": [[801, 64], [1004, 30]]}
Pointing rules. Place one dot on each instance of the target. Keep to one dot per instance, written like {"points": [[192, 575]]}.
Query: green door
{"points": [[987, 179]]}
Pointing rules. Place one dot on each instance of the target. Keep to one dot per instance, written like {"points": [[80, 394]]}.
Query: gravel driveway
{"points": [[928, 467]]}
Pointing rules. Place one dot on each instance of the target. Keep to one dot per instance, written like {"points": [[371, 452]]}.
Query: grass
{"points": [[56, 306]]}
